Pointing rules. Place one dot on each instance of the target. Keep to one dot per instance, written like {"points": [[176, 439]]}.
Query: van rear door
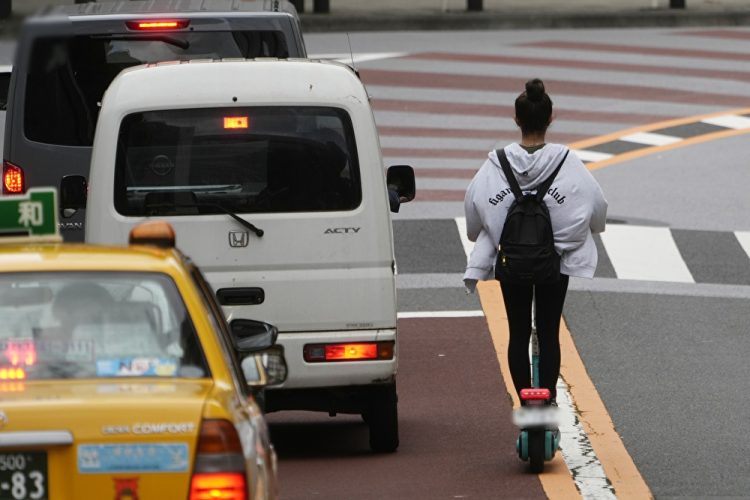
{"points": [[314, 251]]}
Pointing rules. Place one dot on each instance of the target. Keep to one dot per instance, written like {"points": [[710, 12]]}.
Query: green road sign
{"points": [[32, 214]]}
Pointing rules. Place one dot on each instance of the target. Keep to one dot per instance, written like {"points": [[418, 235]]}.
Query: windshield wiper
{"points": [[258, 232], [196, 204], [183, 44]]}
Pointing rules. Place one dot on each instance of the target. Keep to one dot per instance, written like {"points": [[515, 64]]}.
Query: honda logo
{"points": [[238, 239]]}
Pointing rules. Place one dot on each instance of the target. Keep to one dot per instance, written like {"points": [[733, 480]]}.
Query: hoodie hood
{"points": [[531, 169]]}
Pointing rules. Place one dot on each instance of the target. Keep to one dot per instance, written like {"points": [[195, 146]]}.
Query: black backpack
{"points": [[526, 252]]}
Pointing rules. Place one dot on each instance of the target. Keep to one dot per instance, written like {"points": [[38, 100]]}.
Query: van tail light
{"points": [[350, 351], [14, 181], [219, 471]]}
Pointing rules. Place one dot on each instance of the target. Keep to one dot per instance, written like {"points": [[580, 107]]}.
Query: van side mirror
{"points": [[73, 192], [401, 185], [250, 336]]}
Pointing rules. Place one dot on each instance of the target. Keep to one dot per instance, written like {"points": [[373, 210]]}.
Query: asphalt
{"points": [[416, 15]]}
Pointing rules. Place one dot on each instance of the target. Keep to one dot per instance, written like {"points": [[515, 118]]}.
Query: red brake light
{"points": [[535, 394], [355, 351], [219, 471], [13, 179], [158, 24], [217, 485]]}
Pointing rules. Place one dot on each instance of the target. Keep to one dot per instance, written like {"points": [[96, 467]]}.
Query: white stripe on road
{"points": [[744, 238], [591, 156], [735, 122], [440, 314], [358, 58], [645, 253], [468, 245], [577, 451], [650, 139]]}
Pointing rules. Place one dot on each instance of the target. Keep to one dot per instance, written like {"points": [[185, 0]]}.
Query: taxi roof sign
{"points": [[29, 217]]}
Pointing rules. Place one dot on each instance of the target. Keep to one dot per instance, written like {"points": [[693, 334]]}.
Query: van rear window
{"points": [[67, 76], [241, 160]]}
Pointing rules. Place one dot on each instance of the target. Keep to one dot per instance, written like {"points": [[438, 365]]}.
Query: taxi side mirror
{"points": [[73, 193], [250, 336], [401, 185], [265, 368]]}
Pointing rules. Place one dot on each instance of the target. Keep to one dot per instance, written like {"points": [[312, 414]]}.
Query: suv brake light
{"points": [[14, 181], [219, 471], [158, 24]]}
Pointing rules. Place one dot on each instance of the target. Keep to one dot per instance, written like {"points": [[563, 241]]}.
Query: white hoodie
{"points": [[576, 204]]}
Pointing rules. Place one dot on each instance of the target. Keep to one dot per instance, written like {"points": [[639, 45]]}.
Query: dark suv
{"points": [[67, 56]]}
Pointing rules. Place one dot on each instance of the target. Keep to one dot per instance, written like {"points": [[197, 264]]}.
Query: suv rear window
{"points": [[68, 75], [241, 160]]}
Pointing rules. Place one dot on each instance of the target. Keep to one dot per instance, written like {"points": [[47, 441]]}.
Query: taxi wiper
{"points": [[177, 42], [182, 199]]}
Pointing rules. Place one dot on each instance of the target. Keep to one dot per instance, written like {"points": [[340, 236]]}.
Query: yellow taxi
{"points": [[119, 376]]}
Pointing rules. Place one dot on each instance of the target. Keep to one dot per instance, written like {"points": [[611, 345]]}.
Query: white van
{"points": [[271, 174]]}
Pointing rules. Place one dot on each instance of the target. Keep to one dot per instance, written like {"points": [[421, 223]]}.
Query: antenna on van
{"points": [[351, 52]]}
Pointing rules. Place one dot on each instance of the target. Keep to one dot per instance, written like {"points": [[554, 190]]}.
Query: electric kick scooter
{"points": [[537, 419]]}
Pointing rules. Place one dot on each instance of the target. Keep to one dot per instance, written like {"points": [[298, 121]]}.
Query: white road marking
{"points": [[744, 238], [579, 456], [440, 314], [591, 156], [729, 121], [358, 58], [576, 449], [650, 139], [468, 245], [645, 253]]}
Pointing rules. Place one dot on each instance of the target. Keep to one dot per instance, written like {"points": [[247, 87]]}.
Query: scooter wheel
{"points": [[536, 451]]}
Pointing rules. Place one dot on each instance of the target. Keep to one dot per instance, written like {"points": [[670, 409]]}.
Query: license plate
{"points": [[23, 476], [541, 416]]}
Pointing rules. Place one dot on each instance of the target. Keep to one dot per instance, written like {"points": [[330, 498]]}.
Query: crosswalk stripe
{"points": [[592, 156], [645, 253], [729, 121], [650, 139], [468, 245], [744, 238]]}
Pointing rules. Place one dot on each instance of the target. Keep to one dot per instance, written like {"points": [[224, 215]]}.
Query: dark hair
{"points": [[533, 108]]}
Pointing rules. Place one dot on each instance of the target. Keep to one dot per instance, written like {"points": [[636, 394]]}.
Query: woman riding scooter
{"points": [[577, 209]]}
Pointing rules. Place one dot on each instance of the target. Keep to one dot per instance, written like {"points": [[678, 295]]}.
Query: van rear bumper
{"points": [[339, 373]]}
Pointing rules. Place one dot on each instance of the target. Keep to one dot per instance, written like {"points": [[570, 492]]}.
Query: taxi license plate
{"points": [[23, 476]]}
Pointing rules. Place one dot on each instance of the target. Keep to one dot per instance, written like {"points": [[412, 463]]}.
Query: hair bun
{"points": [[535, 90]]}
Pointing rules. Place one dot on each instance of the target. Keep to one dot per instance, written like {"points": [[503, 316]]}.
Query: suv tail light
{"points": [[219, 471], [14, 181]]}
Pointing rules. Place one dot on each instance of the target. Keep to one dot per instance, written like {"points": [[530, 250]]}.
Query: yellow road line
{"points": [[556, 479], [721, 134], [587, 143], [647, 150]]}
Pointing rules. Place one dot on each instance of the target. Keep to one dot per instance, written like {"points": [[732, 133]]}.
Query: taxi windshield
{"points": [[74, 325]]}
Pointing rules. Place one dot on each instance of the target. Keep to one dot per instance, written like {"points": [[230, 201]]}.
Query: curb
{"points": [[494, 20]]}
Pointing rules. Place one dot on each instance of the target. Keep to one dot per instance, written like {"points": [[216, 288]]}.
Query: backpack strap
{"points": [[509, 176], [542, 189]]}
